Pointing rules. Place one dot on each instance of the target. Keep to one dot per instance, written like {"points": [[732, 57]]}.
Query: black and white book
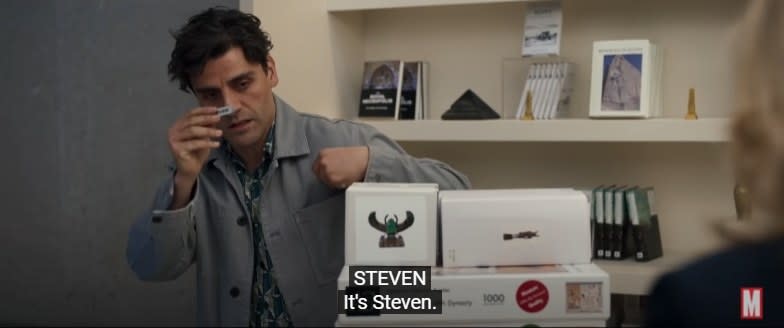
{"points": [[409, 91], [394, 89], [381, 89], [413, 91], [542, 35]]}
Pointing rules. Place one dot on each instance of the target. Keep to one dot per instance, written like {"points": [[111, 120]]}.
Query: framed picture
{"points": [[621, 82], [624, 79]]}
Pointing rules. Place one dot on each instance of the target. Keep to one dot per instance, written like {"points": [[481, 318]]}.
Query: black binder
{"points": [[647, 240]]}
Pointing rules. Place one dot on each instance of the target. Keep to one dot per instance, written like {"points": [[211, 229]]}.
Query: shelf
{"points": [[355, 5], [637, 278], [566, 130]]}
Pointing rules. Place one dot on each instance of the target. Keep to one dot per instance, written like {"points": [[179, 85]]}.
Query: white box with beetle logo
{"points": [[391, 224], [515, 227], [548, 295]]}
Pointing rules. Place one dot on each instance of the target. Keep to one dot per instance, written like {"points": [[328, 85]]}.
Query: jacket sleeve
{"points": [[390, 163], [162, 243]]}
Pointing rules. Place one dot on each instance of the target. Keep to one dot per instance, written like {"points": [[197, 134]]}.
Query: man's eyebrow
{"points": [[242, 76], [205, 89], [235, 79]]}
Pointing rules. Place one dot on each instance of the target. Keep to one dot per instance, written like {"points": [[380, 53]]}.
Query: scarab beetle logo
{"points": [[391, 227], [522, 235]]}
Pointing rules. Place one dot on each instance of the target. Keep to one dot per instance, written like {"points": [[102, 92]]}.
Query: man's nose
{"points": [[231, 99]]}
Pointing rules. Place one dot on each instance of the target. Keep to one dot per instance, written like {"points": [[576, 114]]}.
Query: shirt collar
{"points": [[269, 149]]}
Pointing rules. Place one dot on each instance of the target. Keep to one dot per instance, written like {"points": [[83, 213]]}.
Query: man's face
{"points": [[230, 80]]}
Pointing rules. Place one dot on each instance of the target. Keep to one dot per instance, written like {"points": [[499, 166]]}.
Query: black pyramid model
{"points": [[469, 107]]}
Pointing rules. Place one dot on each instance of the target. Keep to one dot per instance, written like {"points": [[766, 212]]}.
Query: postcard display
{"points": [[536, 245]]}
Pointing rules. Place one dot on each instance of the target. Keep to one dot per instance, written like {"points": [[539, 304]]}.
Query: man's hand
{"points": [[340, 167], [191, 138]]}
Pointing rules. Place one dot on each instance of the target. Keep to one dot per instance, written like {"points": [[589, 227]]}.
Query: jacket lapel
{"points": [[290, 137]]}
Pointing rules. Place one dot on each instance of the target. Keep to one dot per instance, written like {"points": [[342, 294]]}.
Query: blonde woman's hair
{"points": [[758, 122]]}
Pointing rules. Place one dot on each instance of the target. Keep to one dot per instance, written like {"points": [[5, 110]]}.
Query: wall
{"points": [[86, 104], [313, 51]]}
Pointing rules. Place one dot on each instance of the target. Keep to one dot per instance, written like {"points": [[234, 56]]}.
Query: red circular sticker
{"points": [[532, 296]]}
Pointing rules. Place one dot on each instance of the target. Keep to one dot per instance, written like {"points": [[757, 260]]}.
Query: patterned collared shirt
{"points": [[267, 306]]}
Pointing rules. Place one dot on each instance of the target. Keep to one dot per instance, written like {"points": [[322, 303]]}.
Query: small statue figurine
{"points": [[529, 112], [692, 111]]}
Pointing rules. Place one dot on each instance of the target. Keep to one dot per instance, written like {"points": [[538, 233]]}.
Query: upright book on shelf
{"points": [[381, 89], [413, 91], [409, 88], [394, 90], [542, 35], [625, 79], [421, 99]]}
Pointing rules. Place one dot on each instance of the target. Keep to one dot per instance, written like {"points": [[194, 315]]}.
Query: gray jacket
{"points": [[303, 222]]}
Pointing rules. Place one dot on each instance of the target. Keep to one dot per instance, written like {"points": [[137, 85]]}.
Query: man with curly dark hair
{"points": [[256, 199]]}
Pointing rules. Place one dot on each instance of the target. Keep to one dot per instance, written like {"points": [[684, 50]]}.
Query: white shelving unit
{"points": [[354, 5], [711, 130], [321, 45]]}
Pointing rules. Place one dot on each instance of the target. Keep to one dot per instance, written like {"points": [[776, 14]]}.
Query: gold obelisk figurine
{"points": [[692, 113], [742, 202], [529, 112]]}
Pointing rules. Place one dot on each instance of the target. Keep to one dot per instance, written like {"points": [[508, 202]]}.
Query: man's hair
{"points": [[211, 34]]}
